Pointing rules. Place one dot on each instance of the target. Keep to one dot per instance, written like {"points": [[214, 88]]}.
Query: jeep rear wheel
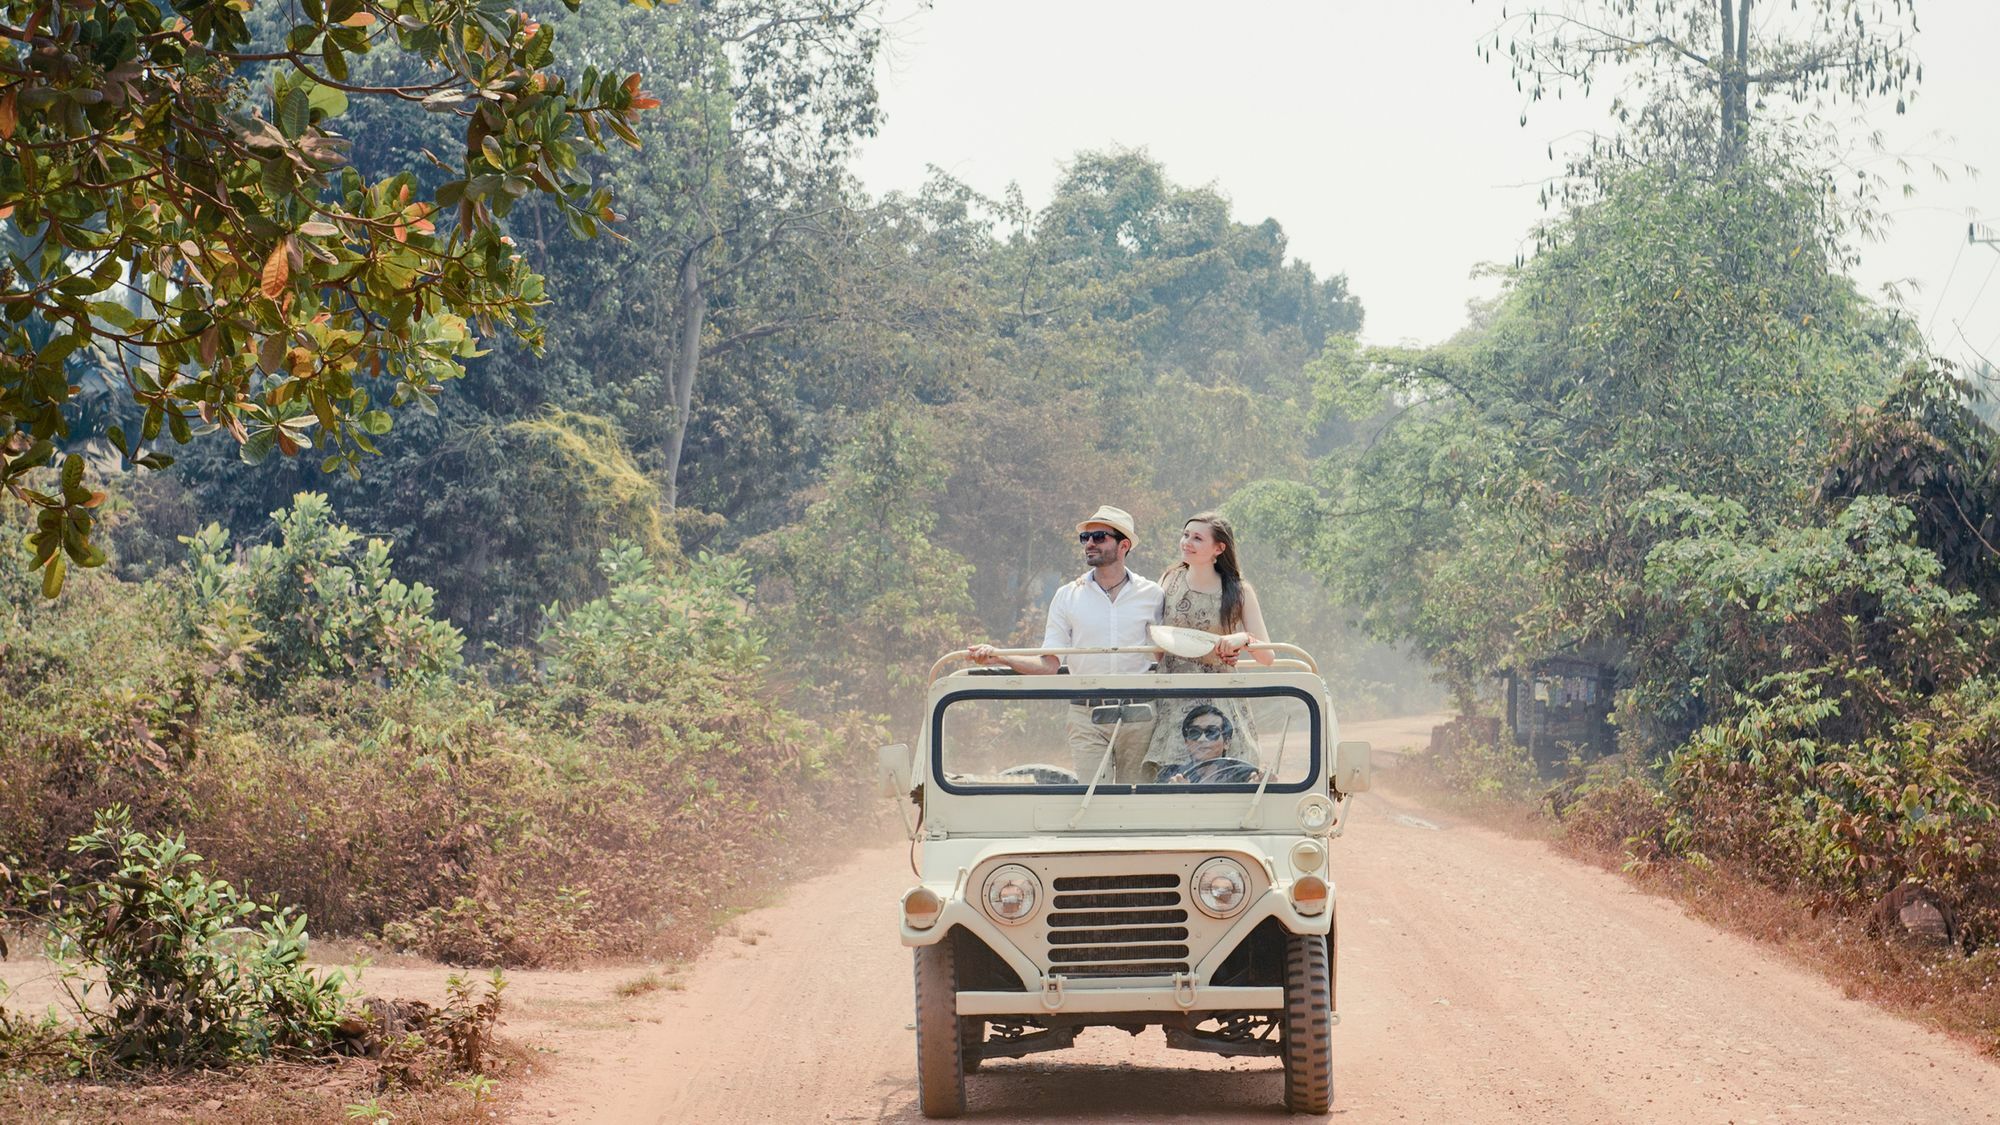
{"points": [[1308, 1024], [940, 1050]]}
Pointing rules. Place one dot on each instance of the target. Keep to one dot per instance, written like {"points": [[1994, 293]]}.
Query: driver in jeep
{"points": [[1208, 736]]}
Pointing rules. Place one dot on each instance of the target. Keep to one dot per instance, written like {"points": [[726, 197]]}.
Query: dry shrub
{"points": [[419, 1045], [497, 841], [40, 1045], [641, 985], [1625, 816], [1612, 806], [622, 781], [1473, 756]]}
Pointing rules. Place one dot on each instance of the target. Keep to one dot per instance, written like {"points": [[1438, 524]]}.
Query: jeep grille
{"points": [[1118, 926]]}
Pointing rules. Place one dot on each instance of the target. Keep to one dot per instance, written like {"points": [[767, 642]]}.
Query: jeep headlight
{"points": [[1315, 813], [1012, 893], [1221, 887]]}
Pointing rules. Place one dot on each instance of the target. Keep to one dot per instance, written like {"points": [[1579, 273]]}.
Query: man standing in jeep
{"points": [[1106, 606]]}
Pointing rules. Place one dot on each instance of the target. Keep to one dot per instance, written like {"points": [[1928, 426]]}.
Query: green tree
{"points": [[203, 234], [515, 512], [859, 594], [1132, 341], [1679, 332], [744, 162]]}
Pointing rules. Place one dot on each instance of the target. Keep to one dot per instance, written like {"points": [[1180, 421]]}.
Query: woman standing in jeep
{"points": [[1205, 590]]}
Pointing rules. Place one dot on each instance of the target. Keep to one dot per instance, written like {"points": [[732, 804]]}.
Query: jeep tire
{"points": [[940, 1050], [1308, 1024], [971, 1035]]}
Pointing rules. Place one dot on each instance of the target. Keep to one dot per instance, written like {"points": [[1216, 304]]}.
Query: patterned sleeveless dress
{"points": [[1192, 609]]}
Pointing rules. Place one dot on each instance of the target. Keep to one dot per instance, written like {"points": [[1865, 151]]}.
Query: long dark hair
{"points": [[1225, 565]]}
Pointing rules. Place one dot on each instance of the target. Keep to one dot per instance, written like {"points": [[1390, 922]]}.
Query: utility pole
{"points": [[1982, 234]]}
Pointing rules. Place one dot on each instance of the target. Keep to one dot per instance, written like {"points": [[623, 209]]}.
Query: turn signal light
{"points": [[1309, 894], [921, 907]]}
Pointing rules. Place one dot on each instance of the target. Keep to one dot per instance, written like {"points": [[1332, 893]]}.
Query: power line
{"points": [[1937, 304], [1982, 292], [1978, 233]]}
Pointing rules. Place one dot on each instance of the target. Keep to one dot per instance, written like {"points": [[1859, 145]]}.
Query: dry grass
{"points": [[641, 985], [272, 1093]]}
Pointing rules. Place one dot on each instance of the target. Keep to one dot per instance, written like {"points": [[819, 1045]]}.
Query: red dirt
{"points": [[1482, 978]]}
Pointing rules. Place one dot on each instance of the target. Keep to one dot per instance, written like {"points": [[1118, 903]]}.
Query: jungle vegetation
{"points": [[574, 467]]}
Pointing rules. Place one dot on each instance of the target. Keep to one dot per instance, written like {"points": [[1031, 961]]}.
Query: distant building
{"points": [[1559, 707]]}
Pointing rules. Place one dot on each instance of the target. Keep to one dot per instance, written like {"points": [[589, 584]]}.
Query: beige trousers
{"points": [[1087, 741]]}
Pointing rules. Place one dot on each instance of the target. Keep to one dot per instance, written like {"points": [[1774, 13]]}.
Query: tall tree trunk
{"points": [[691, 313], [1733, 84]]}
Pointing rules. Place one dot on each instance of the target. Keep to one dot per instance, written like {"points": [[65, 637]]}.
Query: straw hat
{"points": [[1112, 517]]}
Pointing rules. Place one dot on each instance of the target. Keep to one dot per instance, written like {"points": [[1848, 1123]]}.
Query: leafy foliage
{"points": [[192, 973], [1854, 597], [650, 625], [1848, 818], [310, 605], [1679, 332], [202, 234], [1927, 447], [601, 797]]}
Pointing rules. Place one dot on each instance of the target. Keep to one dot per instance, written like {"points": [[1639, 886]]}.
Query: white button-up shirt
{"points": [[1082, 615]]}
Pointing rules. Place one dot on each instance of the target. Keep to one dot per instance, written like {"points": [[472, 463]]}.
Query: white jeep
{"points": [[1054, 894]]}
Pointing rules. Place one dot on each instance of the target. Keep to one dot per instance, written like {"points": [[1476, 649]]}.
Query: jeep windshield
{"points": [[1155, 741]]}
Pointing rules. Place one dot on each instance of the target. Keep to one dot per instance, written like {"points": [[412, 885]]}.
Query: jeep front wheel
{"points": [[971, 1035], [940, 1058], [1308, 1024]]}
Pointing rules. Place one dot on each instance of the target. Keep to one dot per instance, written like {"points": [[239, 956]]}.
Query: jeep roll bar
{"points": [[1293, 657]]}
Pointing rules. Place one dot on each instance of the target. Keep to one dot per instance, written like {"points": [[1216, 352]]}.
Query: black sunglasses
{"points": [[1199, 733], [1096, 536]]}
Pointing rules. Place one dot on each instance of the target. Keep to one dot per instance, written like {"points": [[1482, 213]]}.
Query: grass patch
{"points": [[641, 985]]}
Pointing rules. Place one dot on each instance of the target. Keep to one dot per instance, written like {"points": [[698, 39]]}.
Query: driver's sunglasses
{"points": [[1096, 536], [1201, 733]]}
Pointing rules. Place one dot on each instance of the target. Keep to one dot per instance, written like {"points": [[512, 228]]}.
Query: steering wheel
{"points": [[1041, 774], [1221, 771]]}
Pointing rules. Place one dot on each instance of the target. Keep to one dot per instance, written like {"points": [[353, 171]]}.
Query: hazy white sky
{"points": [[1369, 129]]}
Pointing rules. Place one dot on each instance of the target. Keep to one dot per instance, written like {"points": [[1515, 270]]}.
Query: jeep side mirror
{"points": [[1352, 767], [893, 765], [1131, 714]]}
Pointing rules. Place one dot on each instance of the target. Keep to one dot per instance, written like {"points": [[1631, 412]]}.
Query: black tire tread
{"points": [[971, 1033], [940, 1051], [1308, 1024]]}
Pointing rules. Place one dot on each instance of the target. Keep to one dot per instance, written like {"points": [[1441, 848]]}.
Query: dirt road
{"points": [[1482, 978]]}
